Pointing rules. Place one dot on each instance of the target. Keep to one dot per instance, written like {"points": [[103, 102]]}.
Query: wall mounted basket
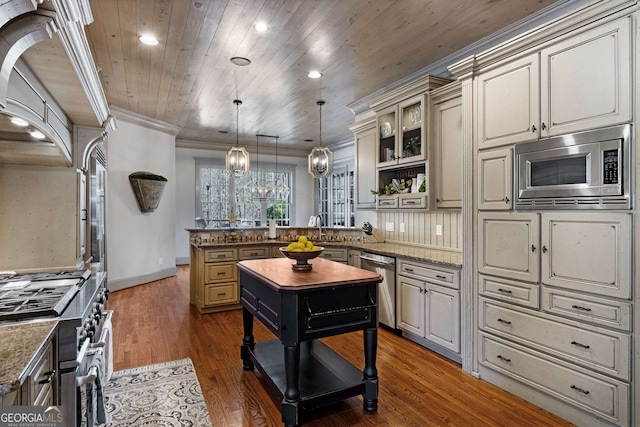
{"points": [[148, 188]]}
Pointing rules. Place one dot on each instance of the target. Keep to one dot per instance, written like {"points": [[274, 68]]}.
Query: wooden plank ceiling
{"points": [[187, 80]]}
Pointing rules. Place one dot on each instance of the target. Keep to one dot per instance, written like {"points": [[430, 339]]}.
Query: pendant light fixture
{"points": [[237, 157], [320, 158], [261, 191], [281, 186]]}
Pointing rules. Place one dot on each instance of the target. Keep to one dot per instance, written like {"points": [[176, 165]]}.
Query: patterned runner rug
{"points": [[161, 395]]}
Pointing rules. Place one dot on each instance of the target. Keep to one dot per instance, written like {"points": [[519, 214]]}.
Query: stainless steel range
{"points": [[77, 299]]}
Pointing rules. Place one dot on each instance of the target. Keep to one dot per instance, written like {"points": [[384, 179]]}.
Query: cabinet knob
{"points": [[544, 249], [506, 199], [543, 126], [533, 128], [533, 248]]}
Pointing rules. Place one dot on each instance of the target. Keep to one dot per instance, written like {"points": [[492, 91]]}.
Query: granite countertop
{"points": [[20, 344], [418, 253]]}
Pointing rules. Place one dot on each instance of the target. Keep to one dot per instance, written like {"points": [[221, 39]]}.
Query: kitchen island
{"points": [[300, 307]]}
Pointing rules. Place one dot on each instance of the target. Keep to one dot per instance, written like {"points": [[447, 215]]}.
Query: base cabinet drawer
{"points": [[220, 294], [417, 270], [526, 294], [600, 395], [220, 255], [335, 254], [220, 272], [254, 253], [606, 351], [600, 311]]}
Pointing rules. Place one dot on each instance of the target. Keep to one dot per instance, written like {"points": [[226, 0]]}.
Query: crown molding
{"points": [[144, 121]]}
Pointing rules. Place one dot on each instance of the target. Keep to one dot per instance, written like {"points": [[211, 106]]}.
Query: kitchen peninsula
{"points": [[299, 308]]}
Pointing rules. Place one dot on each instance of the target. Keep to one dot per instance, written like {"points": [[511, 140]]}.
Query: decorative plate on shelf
{"points": [[385, 129]]}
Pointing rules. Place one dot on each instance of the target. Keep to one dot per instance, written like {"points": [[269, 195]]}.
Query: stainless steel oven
{"points": [[585, 170]]}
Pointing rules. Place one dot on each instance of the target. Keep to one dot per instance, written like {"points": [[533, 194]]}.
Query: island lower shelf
{"points": [[325, 376]]}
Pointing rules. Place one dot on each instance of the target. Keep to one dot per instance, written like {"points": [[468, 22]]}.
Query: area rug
{"points": [[161, 395]]}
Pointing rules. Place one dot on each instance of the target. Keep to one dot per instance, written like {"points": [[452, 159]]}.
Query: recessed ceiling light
{"points": [[19, 122], [240, 61], [148, 39], [314, 74], [36, 134], [261, 26]]}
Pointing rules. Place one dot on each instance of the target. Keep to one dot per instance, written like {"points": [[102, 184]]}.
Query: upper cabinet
{"points": [[446, 143], [404, 146], [544, 93], [365, 164], [401, 133]]}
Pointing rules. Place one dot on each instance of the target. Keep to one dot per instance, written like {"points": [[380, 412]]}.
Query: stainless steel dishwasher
{"points": [[386, 267]]}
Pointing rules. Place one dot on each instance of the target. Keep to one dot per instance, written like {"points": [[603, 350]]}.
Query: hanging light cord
{"points": [[237, 102], [320, 104]]}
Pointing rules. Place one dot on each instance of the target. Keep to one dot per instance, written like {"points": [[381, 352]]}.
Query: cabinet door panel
{"points": [[442, 320], [508, 100], [410, 305], [587, 80], [508, 245], [366, 169], [448, 153], [588, 252], [495, 179]]}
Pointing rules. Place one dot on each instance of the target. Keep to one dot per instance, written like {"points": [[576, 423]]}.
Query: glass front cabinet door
{"points": [[401, 133], [387, 137], [412, 131]]}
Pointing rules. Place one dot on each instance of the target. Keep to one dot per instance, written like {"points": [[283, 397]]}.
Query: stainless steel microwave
{"points": [[585, 170]]}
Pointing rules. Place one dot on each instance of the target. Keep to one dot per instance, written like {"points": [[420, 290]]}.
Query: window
{"points": [[335, 197], [220, 195]]}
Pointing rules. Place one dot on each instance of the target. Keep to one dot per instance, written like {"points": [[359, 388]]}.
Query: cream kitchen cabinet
{"points": [[336, 254], [446, 178], [365, 164], [577, 82], [401, 133], [428, 306], [354, 258], [495, 179], [587, 252]]}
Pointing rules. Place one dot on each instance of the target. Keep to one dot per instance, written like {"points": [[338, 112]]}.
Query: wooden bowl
{"points": [[301, 258]]}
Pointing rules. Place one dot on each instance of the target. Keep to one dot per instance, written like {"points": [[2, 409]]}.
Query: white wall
{"points": [[302, 208], [140, 246]]}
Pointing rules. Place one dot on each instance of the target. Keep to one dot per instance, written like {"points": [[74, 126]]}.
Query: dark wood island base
{"points": [[299, 308]]}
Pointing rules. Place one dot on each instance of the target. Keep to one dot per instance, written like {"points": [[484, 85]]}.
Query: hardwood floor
{"points": [[154, 323]]}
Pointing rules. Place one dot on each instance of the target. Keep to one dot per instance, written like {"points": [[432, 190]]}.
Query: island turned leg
{"points": [[247, 339], [370, 395], [291, 399]]}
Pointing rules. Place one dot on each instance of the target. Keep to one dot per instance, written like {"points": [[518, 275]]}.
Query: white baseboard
{"points": [[116, 285]]}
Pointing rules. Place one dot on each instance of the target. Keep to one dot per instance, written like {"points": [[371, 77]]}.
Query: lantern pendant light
{"points": [[261, 192], [320, 158], [237, 157]]}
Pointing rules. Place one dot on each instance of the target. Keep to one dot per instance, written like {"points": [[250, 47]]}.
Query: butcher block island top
{"points": [[300, 307], [278, 274]]}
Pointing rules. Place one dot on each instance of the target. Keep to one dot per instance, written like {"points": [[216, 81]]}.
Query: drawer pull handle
{"points": [[220, 273], [505, 291], [577, 344], [221, 256], [254, 253], [504, 358], [48, 377], [410, 270], [579, 307], [506, 322], [438, 276], [222, 294], [576, 388]]}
